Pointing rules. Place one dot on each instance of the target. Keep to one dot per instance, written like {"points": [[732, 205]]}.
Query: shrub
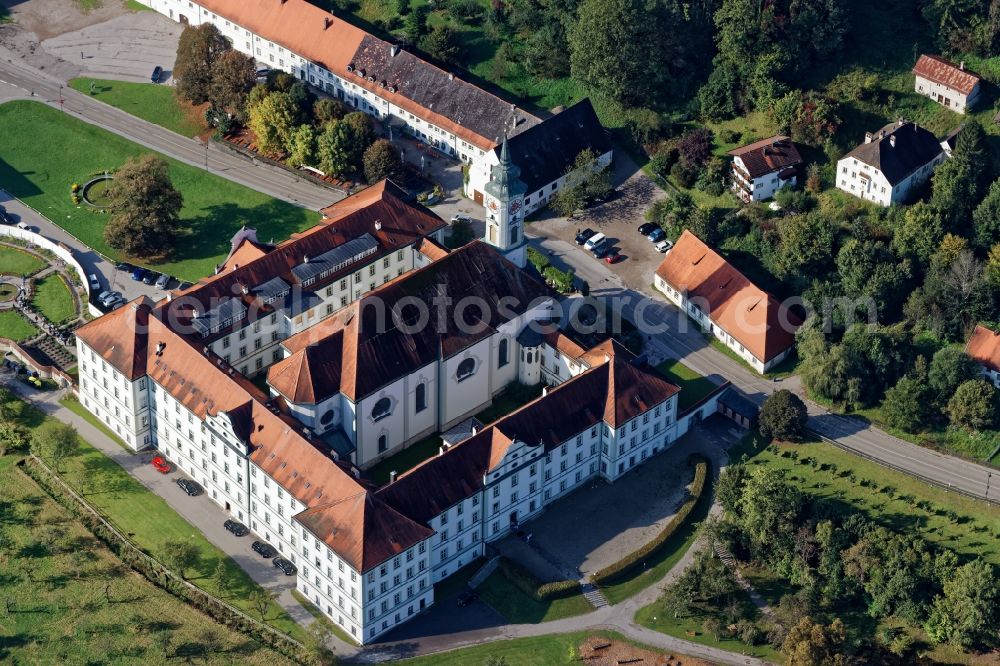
{"points": [[701, 474], [525, 581]]}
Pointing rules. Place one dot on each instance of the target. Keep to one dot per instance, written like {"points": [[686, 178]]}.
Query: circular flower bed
{"points": [[95, 191]]}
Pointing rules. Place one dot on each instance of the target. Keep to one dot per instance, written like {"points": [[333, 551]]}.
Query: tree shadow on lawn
{"points": [[210, 233]]}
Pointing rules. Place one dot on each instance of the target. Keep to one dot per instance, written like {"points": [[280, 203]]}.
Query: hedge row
{"points": [[701, 474], [161, 576], [525, 581]]}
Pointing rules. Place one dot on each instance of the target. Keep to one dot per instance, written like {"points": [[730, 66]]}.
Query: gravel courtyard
{"points": [[601, 523]]}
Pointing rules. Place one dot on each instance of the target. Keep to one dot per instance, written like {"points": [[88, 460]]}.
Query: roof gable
{"points": [[120, 337], [754, 317]]}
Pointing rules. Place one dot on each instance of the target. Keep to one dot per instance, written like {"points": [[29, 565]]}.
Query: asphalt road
{"points": [[673, 335], [19, 81]]}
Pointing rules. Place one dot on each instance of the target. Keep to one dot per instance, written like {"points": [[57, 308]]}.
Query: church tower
{"points": [[504, 203]]}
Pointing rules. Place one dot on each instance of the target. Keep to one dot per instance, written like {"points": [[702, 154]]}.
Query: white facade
{"points": [[118, 402], [947, 97], [760, 188], [479, 175], [707, 324], [276, 56], [866, 182]]}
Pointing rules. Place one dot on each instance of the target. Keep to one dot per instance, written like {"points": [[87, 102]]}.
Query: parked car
{"points": [[150, 277], [114, 302], [24, 226], [583, 236], [594, 241], [238, 529], [603, 249], [157, 74], [161, 466], [124, 266], [95, 284], [613, 257], [467, 597], [108, 297], [460, 217], [664, 246], [138, 273], [656, 235], [265, 550], [162, 281], [286, 567], [646, 228], [190, 487]]}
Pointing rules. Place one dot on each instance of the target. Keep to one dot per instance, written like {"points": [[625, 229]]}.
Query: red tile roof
{"points": [[613, 392], [754, 317], [984, 347], [946, 73], [768, 155], [119, 337], [319, 36]]}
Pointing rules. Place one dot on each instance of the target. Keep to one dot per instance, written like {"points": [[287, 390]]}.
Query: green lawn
{"points": [[519, 608], [151, 523], [689, 627], [534, 651], [53, 299], [54, 579], [15, 327], [693, 386], [214, 208], [15, 261], [150, 101], [900, 502]]}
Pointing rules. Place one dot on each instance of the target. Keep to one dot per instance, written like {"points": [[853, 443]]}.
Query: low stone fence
{"points": [[44, 371]]}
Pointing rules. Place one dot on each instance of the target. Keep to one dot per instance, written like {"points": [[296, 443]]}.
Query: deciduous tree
{"points": [[233, 77], [783, 416], [302, 150], [273, 121], [811, 644], [56, 441], [975, 405], [381, 160], [197, 50], [182, 556], [335, 149], [968, 613], [443, 43], [145, 209]]}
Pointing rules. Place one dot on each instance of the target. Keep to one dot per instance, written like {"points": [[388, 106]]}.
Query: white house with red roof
{"points": [[762, 168], [950, 85], [984, 348]]}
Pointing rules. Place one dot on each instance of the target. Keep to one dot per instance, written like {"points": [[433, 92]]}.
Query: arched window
{"points": [[421, 397], [513, 235], [502, 360], [529, 357], [383, 443], [382, 409], [466, 369]]}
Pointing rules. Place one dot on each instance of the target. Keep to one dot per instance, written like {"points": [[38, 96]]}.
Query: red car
{"points": [[161, 465], [613, 258]]}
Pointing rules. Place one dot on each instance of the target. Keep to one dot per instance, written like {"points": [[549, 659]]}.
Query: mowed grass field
{"points": [[15, 261], [53, 298], [693, 386], [214, 208], [150, 101], [69, 600], [15, 327]]}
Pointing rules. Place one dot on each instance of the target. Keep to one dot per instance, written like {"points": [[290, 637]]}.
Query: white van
{"points": [[594, 241]]}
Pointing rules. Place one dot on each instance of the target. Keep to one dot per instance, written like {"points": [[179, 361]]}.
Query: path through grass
{"points": [[214, 208]]}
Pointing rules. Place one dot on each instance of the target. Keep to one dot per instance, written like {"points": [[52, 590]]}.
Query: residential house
{"points": [[984, 348], [891, 165], [751, 322], [950, 85], [762, 168]]}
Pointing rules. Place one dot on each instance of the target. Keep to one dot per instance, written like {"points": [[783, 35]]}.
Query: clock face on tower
{"points": [[493, 204], [515, 206]]}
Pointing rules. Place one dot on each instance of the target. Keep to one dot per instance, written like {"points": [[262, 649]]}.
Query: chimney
{"points": [[545, 391], [440, 450], [868, 137], [892, 141], [305, 259], [392, 476], [451, 77], [327, 22], [394, 50], [378, 225], [961, 65], [475, 430], [159, 348], [170, 296]]}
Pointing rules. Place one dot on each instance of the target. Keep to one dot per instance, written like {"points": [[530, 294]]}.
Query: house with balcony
{"points": [[762, 168]]}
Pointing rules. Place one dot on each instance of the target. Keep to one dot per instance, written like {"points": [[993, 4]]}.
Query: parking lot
{"points": [[618, 220]]}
